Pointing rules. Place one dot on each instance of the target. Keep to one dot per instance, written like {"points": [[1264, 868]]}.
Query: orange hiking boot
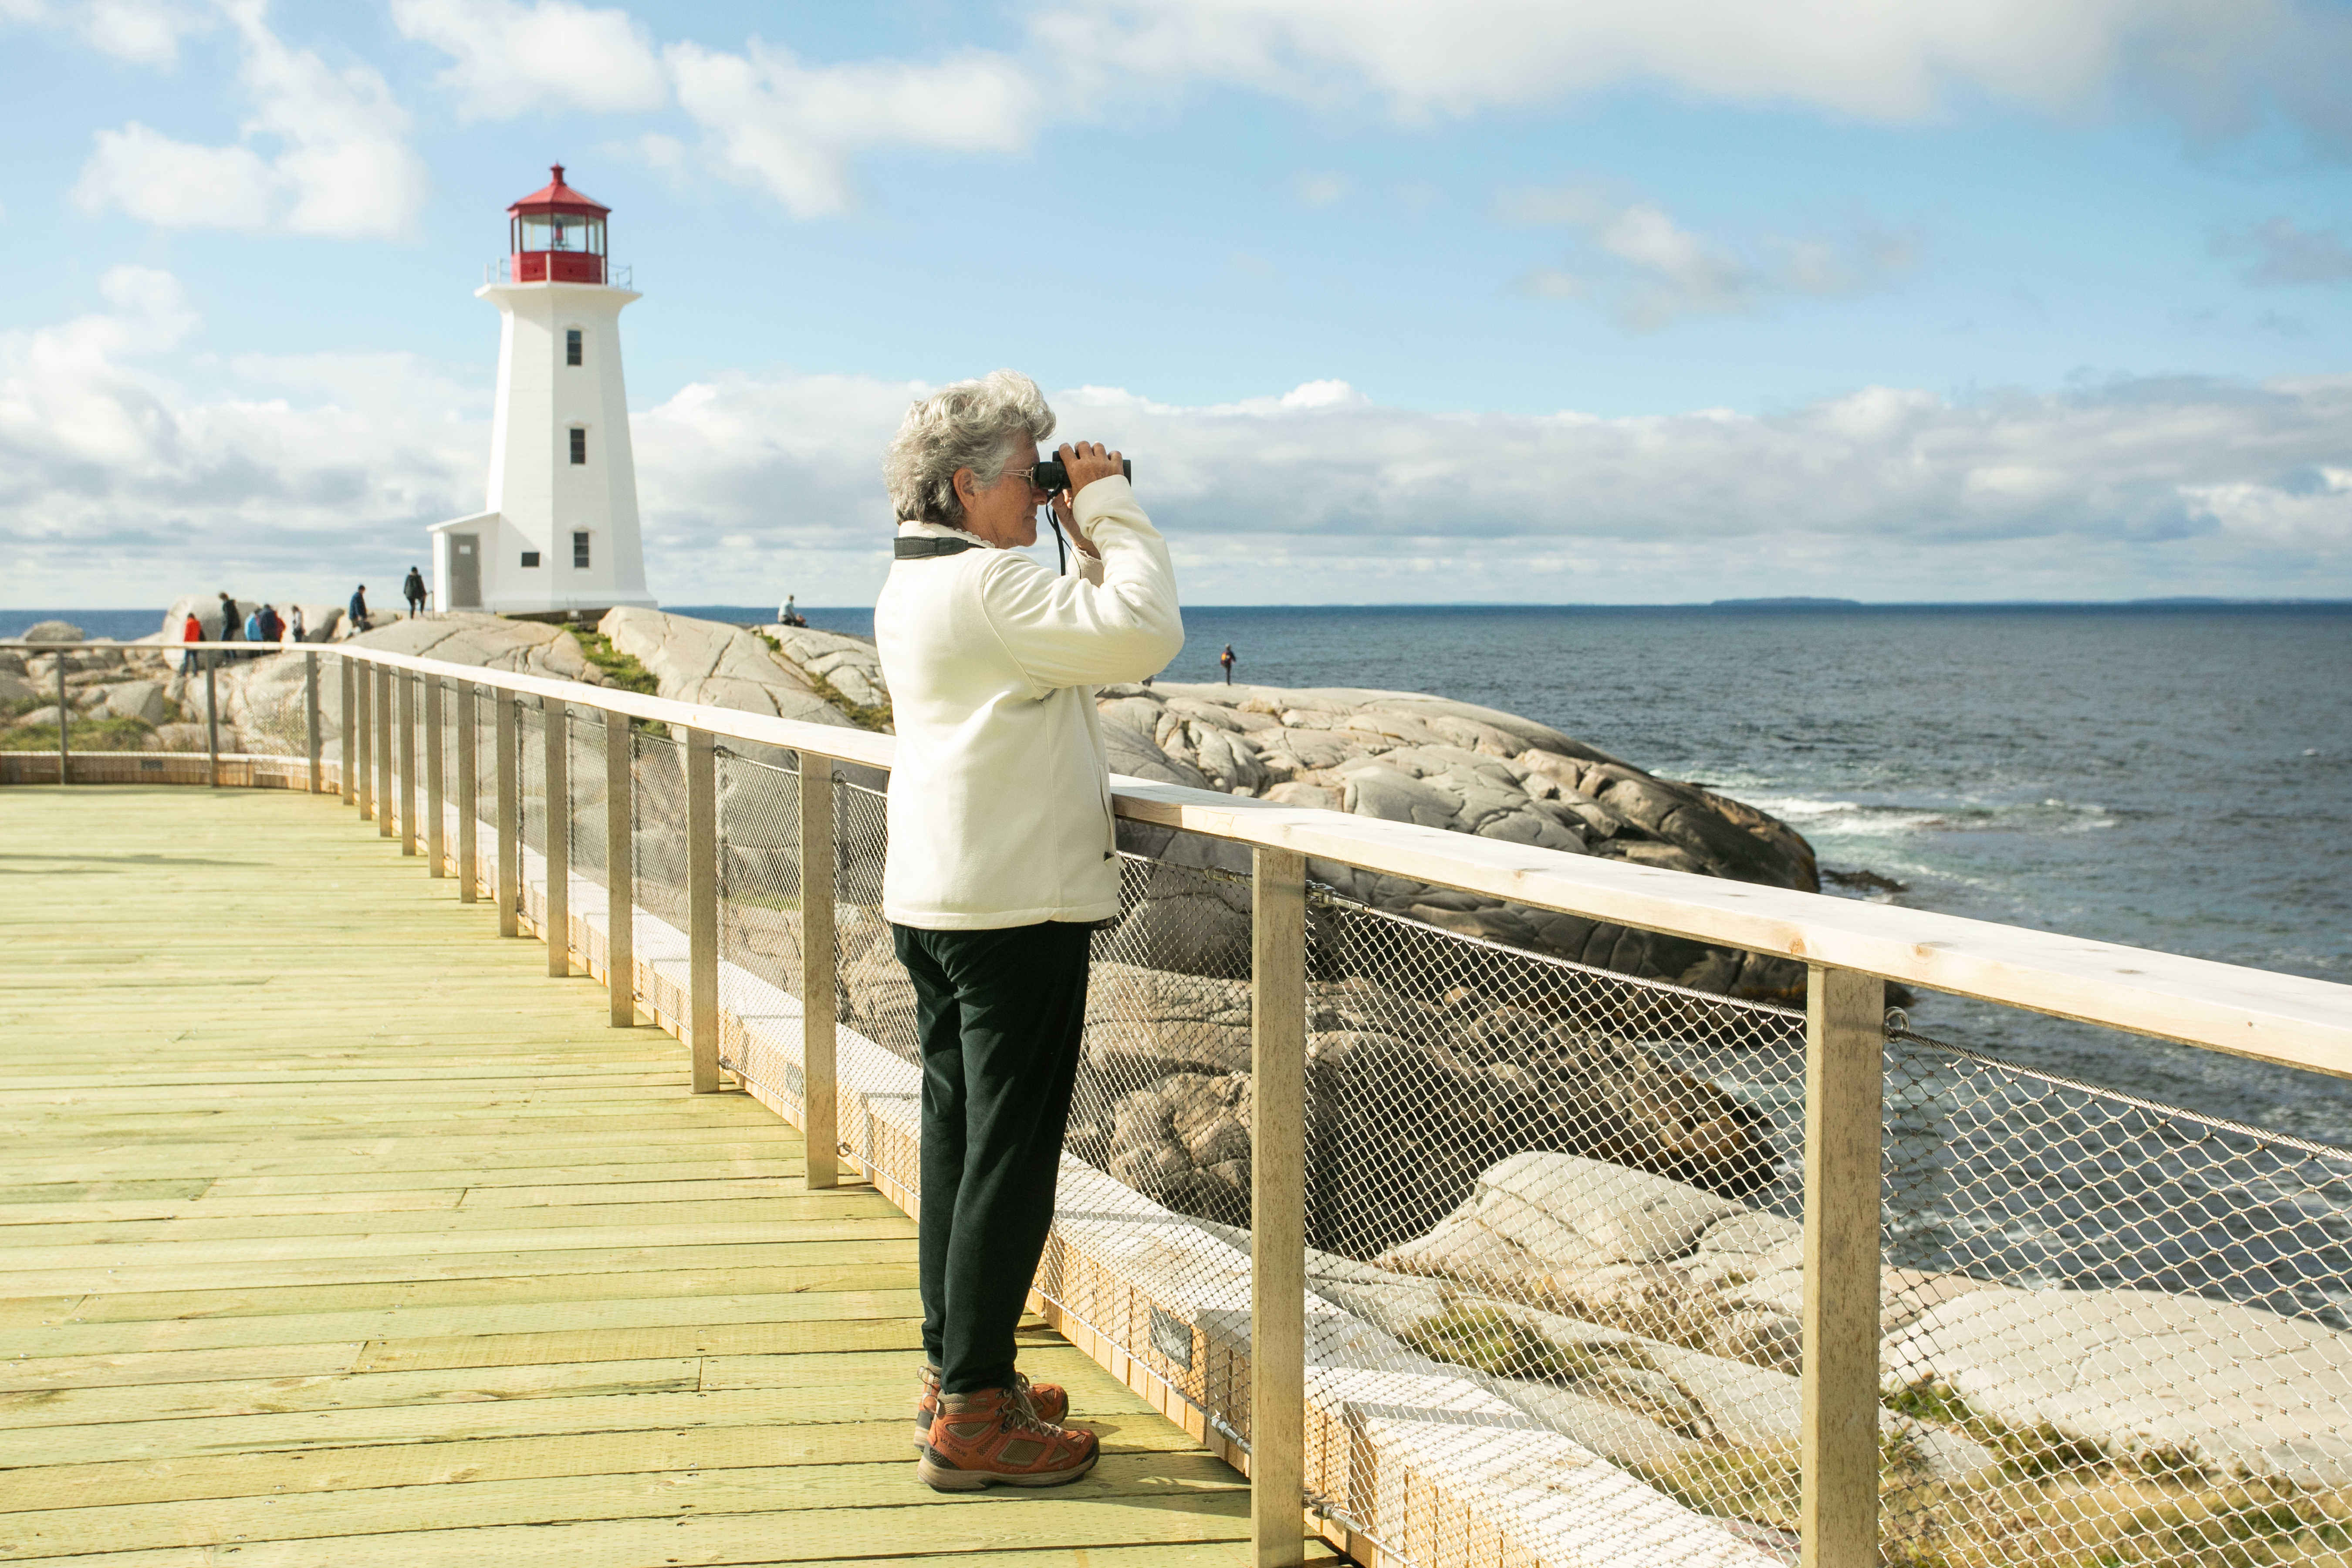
{"points": [[1049, 1402], [990, 1439]]}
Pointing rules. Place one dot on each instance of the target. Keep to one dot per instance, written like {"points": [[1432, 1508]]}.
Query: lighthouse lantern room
{"points": [[558, 534]]}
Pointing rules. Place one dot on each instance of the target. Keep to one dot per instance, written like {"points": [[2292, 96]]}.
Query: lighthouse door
{"points": [[465, 571]]}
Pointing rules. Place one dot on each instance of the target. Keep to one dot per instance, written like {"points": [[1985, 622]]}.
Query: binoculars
{"points": [[1052, 476]]}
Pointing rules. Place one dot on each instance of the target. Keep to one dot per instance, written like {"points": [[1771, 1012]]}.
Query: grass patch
{"points": [[1501, 1346], [87, 735], [620, 669], [866, 716]]}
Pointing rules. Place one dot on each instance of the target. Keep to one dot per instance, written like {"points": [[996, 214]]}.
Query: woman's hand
{"points": [[1084, 462]]}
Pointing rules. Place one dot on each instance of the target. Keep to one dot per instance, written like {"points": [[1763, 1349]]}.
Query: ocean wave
{"points": [[1868, 819]]}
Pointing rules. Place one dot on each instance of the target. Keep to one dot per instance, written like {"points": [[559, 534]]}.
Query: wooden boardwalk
{"points": [[336, 1234]]}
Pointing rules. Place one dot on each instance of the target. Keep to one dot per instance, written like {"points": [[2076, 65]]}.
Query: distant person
{"points": [[254, 631], [413, 592], [273, 625], [357, 609], [295, 630], [787, 616], [192, 631], [1226, 658], [229, 619]]}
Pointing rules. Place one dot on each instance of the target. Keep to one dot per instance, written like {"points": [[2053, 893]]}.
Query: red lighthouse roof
{"points": [[555, 196]]}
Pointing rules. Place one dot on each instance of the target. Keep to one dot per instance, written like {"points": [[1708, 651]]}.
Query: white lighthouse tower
{"points": [[558, 534]]}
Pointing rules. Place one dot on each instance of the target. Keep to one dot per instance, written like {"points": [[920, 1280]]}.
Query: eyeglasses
{"points": [[1027, 475]]}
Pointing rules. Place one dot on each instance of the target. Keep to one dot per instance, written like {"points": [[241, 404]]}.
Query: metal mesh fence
{"points": [[758, 870], [877, 999], [2114, 1331], [2113, 1328], [585, 782], [531, 776], [658, 835]]}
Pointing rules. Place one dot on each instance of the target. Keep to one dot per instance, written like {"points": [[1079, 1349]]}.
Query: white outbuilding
{"points": [[558, 533]]}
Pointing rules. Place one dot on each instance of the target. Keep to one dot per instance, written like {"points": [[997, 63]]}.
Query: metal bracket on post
{"points": [[469, 794], [508, 745], [1278, 1468], [555, 730], [313, 747], [384, 799], [702, 908], [1844, 1104], [820, 1090], [408, 823], [353, 723], [436, 812], [212, 719], [620, 867], [363, 775]]}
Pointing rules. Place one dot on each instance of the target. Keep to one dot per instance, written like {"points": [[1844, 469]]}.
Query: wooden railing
{"points": [[1852, 951]]}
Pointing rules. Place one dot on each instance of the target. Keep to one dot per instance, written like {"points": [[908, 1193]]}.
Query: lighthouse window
{"points": [[530, 557], [580, 550], [579, 445], [572, 346]]}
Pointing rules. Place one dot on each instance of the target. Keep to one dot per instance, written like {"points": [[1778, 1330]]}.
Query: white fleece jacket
{"points": [[1000, 796]]}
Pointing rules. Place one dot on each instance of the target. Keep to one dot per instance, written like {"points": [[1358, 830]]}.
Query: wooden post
{"points": [[820, 1089], [212, 717], [314, 745], [1277, 1207], [702, 907], [349, 739], [385, 802], [65, 722], [620, 867], [506, 744], [437, 814], [1844, 1038], [362, 779], [556, 733], [469, 797], [406, 682]]}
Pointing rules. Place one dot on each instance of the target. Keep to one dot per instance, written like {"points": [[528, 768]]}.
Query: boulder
{"points": [[2143, 1376], [51, 631], [140, 700], [851, 666], [14, 687], [1457, 766], [717, 666]]}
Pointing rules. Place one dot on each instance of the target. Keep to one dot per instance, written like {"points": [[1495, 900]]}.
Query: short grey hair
{"points": [[972, 425]]}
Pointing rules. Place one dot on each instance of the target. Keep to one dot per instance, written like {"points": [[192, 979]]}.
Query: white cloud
{"points": [[794, 128], [2285, 253], [1888, 60], [507, 57], [115, 487], [339, 166], [1635, 261], [118, 489], [135, 32]]}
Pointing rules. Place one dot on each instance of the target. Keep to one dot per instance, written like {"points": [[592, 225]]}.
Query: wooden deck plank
{"points": [[308, 1259]]}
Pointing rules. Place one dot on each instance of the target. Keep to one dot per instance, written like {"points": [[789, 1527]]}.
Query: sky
{"points": [[1493, 300]]}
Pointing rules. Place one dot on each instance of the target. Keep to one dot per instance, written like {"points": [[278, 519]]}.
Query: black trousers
{"points": [[999, 1013]]}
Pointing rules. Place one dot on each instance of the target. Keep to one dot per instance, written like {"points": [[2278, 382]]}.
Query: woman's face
{"points": [[1003, 514]]}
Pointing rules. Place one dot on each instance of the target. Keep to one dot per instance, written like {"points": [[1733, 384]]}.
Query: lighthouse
{"points": [[557, 535]]}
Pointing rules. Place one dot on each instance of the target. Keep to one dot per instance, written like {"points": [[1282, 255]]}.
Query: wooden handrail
{"points": [[2287, 1020], [2247, 1012]]}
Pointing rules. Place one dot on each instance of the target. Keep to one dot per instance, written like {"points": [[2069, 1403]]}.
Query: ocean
{"points": [[2176, 778]]}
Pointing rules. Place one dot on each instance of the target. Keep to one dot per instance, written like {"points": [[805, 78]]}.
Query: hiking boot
{"points": [[1049, 1402], [989, 1438]]}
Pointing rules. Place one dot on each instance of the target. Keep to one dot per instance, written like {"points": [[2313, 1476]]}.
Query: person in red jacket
{"points": [[192, 632]]}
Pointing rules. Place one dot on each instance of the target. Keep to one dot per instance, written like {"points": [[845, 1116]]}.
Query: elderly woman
{"points": [[1001, 861]]}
